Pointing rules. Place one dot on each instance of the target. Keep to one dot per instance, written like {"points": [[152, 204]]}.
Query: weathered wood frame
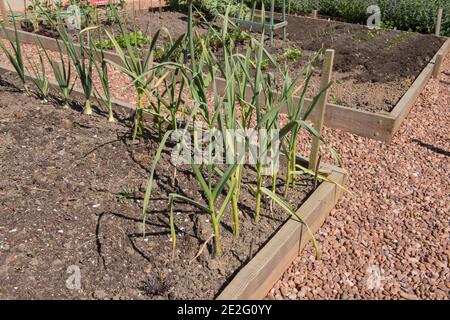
{"points": [[259, 275], [376, 126]]}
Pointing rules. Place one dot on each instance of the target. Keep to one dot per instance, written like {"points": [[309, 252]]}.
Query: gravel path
{"points": [[390, 239]]}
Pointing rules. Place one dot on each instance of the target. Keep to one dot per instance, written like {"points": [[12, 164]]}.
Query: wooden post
{"points": [[321, 106], [271, 19], [314, 14], [438, 23], [437, 65], [4, 12], [284, 19]]}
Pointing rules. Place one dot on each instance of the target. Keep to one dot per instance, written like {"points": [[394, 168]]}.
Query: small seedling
{"points": [[155, 285], [398, 39], [136, 40], [83, 61], [334, 98], [40, 77], [14, 56], [408, 83], [126, 195], [264, 64], [292, 54], [62, 70]]}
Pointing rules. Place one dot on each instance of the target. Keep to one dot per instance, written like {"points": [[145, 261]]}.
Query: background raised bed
{"points": [[376, 71]]}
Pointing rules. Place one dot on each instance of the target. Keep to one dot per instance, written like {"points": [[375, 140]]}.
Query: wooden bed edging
{"points": [[77, 92], [403, 107], [52, 44], [255, 279], [377, 126]]}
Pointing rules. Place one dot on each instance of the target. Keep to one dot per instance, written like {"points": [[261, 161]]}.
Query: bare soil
{"points": [[71, 191]]}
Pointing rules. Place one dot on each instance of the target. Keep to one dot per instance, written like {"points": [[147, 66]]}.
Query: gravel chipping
{"points": [[390, 238]]}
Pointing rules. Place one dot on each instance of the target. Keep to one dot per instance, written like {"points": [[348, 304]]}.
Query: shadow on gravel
{"points": [[432, 148]]}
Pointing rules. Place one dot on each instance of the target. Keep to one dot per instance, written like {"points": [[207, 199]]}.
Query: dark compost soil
{"points": [[374, 69], [71, 189]]}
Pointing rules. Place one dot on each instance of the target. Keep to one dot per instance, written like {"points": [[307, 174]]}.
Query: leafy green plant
{"points": [[246, 97], [165, 52], [370, 34], [126, 195], [62, 71], [297, 115], [136, 39], [198, 86], [40, 78], [83, 62], [214, 39], [169, 88], [212, 193], [239, 36], [112, 7], [387, 25], [14, 56], [265, 64], [292, 54], [334, 98], [103, 74], [169, 97], [398, 39], [88, 10], [140, 70], [43, 12]]}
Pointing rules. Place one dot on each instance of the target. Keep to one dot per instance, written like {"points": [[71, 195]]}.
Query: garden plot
{"points": [[74, 197], [231, 208], [374, 69], [378, 73]]}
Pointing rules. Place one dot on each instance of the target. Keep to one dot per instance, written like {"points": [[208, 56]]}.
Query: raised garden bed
{"points": [[73, 197], [380, 73]]}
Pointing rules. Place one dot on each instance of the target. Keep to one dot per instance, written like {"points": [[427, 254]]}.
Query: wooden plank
{"points": [[437, 32], [319, 119], [256, 279], [77, 93], [405, 104], [363, 123], [437, 65], [367, 124], [4, 12], [52, 44]]}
